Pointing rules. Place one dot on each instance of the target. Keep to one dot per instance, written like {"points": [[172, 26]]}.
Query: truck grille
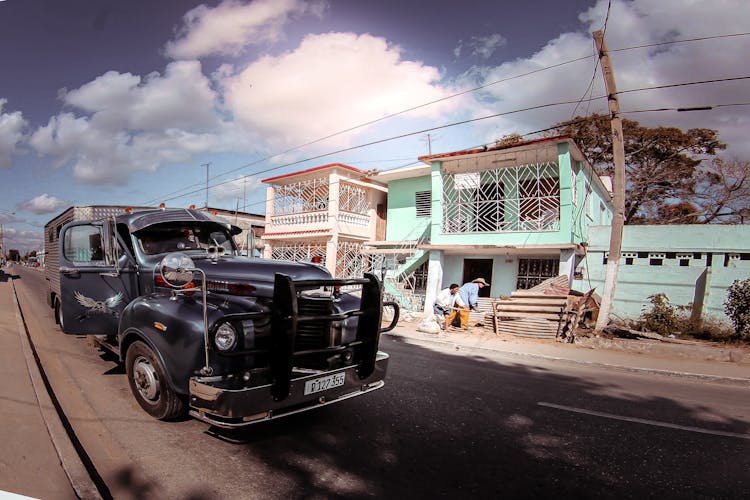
{"points": [[313, 334]]}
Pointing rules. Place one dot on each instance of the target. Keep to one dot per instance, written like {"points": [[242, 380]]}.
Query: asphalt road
{"points": [[451, 424]]}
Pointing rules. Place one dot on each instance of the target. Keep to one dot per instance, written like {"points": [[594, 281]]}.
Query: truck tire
{"points": [[149, 384], [58, 314]]}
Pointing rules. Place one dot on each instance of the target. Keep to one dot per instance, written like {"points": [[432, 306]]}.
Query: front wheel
{"points": [[149, 384]]}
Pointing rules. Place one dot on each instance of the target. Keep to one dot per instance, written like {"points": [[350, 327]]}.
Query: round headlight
{"points": [[225, 338]]}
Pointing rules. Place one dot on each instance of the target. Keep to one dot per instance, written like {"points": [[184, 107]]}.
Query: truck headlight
{"points": [[225, 338]]}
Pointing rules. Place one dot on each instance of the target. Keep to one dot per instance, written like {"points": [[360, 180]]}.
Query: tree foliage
{"points": [[665, 180], [737, 307]]}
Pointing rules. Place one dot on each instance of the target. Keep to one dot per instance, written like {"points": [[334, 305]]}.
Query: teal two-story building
{"points": [[514, 215]]}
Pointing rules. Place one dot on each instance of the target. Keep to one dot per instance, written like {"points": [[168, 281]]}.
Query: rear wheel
{"points": [[149, 384], [58, 314]]}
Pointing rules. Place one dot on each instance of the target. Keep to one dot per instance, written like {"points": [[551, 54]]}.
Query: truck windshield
{"points": [[178, 237]]}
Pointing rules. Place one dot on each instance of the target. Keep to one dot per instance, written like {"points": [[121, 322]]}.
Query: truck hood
{"points": [[258, 272]]}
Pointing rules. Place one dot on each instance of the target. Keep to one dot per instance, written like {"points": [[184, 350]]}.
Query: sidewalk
{"points": [[35, 445], [700, 362]]}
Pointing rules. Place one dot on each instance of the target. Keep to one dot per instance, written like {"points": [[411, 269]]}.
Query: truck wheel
{"points": [[58, 314], [149, 383]]}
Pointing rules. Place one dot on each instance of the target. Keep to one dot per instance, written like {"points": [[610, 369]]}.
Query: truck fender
{"points": [[177, 340]]}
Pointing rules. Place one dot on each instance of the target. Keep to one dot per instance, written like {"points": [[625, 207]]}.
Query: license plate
{"points": [[324, 383]]}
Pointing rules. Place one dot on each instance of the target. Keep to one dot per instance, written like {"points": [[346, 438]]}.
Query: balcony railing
{"points": [[354, 219], [319, 217]]}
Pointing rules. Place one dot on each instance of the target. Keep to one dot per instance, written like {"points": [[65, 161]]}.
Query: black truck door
{"points": [[93, 294]]}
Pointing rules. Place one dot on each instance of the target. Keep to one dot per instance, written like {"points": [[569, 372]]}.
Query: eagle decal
{"points": [[98, 307]]}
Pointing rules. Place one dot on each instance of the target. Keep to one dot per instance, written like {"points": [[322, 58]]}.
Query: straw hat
{"points": [[481, 281]]}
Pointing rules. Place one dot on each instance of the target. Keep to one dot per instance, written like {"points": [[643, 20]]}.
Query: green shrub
{"points": [[737, 307], [662, 318]]}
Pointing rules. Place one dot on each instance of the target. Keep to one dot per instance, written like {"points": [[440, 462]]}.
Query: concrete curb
{"points": [[652, 371], [79, 477]]}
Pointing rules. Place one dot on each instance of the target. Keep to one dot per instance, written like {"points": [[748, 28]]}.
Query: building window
{"points": [[423, 202]]}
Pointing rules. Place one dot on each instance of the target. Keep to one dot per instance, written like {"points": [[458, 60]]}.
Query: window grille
{"points": [[523, 198], [531, 272], [299, 197], [353, 198], [423, 202], [299, 252], [350, 261]]}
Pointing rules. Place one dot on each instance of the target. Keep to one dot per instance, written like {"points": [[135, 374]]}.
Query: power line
{"points": [[685, 84], [684, 40], [570, 122], [474, 89], [392, 115], [388, 139], [463, 122]]}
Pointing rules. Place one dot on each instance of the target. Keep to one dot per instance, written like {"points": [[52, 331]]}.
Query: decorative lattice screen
{"points": [[352, 198], [350, 261], [523, 198], [305, 196], [299, 251]]}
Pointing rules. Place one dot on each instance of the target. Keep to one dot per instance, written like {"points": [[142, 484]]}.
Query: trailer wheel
{"points": [[149, 384], [58, 314]]}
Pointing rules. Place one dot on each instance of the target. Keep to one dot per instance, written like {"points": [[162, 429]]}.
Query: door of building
{"points": [[478, 268]]}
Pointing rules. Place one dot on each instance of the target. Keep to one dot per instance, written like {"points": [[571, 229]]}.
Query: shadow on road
{"points": [[442, 429], [5, 277]]}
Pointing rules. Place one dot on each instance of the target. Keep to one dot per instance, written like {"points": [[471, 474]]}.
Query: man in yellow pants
{"points": [[468, 295]]}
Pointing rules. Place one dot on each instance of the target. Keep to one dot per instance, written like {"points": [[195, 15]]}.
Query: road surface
{"points": [[449, 423]]}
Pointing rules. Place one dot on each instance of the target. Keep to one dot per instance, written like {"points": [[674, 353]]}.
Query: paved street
{"points": [[449, 423]]}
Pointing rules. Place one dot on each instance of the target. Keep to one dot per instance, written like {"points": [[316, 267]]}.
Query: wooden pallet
{"points": [[528, 314]]}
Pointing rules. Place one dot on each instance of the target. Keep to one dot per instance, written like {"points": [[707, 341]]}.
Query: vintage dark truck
{"points": [[234, 340]]}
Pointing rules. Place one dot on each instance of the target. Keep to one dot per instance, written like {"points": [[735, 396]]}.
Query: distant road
{"points": [[448, 424]]}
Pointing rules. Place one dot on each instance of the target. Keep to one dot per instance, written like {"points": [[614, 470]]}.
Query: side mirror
{"points": [[176, 269]]}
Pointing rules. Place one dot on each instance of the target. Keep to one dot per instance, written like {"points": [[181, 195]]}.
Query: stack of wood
{"points": [[549, 310]]}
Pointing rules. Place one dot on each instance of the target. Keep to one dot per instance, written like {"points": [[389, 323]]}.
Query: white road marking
{"points": [[644, 421]]}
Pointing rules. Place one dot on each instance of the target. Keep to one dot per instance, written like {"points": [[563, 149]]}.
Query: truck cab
{"points": [[234, 340]]}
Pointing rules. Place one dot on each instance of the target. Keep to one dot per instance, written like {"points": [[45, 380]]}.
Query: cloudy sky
{"points": [[123, 102]]}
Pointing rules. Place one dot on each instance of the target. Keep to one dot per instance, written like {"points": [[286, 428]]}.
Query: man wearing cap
{"points": [[469, 293]]}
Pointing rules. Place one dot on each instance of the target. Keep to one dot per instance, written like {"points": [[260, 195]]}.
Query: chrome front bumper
{"points": [[228, 405]]}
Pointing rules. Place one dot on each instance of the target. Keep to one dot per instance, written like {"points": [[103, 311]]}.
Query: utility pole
{"points": [[244, 194], [206, 165], [618, 184]]}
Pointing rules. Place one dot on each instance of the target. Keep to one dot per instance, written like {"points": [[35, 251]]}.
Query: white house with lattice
{"points": [[325, 214]]}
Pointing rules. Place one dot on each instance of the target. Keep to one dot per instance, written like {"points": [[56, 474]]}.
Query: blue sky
{"points": [[122, 102]]}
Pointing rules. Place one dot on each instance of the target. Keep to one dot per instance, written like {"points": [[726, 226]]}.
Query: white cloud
{"points": [[181, 98], [136, 124], [485, 46], [329, 83], [633, 23], [12, 127], [43, 204], [481, 46], [22, 240], [238, 189], [232, 25]]}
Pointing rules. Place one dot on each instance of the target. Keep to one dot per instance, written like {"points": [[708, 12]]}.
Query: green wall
{"points": [[403, 223], [690, 244]]}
